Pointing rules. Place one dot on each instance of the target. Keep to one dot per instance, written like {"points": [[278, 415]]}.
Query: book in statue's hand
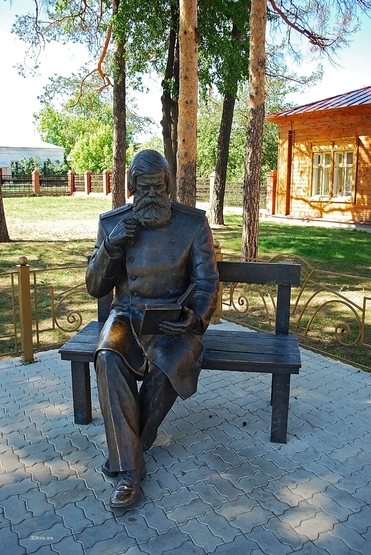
{"points": [[155, 314]]}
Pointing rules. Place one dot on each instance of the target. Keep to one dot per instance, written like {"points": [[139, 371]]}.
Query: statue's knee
{"points": [[106, 360]]}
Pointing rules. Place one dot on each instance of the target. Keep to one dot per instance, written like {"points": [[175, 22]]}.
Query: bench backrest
{"points": [[281, 274]]}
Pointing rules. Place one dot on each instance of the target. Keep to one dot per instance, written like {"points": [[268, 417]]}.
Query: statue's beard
{"points": [[152, 213]]}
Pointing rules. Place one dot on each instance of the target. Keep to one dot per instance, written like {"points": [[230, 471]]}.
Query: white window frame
{"points": [[333, 173]]}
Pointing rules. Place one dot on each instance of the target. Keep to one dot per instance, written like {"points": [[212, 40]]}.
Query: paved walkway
{"points": [[215, 483]]}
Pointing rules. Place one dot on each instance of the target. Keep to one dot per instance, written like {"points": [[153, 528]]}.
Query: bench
{"points": [[241, 351]]}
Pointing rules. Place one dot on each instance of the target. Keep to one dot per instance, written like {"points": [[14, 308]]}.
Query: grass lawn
{"points": [[60, 231]]}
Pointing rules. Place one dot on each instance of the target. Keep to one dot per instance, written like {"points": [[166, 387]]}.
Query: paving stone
{"points": [[41, 474], [329, 505], [268, 500], [174, 541], [74, 517], [360, 521], [36, 502], [312, 527], [351, 538], [119, 544], [156, 517], [9, 541], [201, 535], [96, 534], [345, 499], [219, 526], [69, 496], [285, 533], [68, 546], [241, 545], [177, 499], [268, 542], [182, 514], [334, 546], [47, 536], [225, 487], [257, 516], [15, 509], [94, 510]]}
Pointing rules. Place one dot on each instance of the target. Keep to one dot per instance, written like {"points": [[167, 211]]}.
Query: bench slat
{"points": [[282, 273], [243, 351]]}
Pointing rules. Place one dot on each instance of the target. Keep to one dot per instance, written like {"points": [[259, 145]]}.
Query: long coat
{"points": [[157, 266]]}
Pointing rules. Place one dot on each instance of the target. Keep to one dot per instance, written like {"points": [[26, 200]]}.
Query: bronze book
{"points": [[154, 313]]}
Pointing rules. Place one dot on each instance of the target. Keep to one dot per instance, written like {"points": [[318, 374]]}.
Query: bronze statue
{"points": [[150, 252]]}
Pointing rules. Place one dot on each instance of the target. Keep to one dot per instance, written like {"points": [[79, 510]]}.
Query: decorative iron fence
{"points": [[331, 312]]}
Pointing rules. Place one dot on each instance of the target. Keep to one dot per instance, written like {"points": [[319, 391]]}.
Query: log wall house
{"points": [[324, 159]]}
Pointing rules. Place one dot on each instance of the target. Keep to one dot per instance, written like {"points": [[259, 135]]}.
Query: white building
{"points": [[34, 148]]}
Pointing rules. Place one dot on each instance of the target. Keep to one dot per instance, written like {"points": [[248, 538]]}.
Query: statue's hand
{"points": [[123, 232], [187, 321]]}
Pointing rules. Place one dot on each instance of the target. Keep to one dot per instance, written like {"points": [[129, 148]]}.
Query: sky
{"points": [[18, 96]]}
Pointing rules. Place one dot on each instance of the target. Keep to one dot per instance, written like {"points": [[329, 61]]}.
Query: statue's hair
{"points": [[147, 161]]}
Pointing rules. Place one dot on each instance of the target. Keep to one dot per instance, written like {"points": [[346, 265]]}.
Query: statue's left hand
{"points": [[187, 321]]}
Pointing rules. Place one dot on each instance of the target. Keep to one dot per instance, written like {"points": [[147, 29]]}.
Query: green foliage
{"points": [[81, 121], [93, 151], [25, 166], [224, 45]]}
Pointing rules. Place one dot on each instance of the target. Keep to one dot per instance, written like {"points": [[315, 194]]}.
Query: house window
{"points": [[332, 174], [343, 174], [321, 173]]}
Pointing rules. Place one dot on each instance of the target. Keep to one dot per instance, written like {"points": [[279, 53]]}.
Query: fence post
{"points": [[36, 182], [25, 311], [87, 179], [71, 181], [218, 311], [106, 182], [271, 192]]}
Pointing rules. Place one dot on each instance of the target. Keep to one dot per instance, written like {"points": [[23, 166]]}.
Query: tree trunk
{"points": [[4, 235], [218, 190], [119, 121], [188, 91], [119, 129], [250, 229], [170, 103]]}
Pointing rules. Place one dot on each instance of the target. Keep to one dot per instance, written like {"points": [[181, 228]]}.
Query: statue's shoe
{"points": [[127, 490]]}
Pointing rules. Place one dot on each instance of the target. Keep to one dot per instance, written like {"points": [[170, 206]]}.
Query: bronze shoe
{"points": [[127, 490]]}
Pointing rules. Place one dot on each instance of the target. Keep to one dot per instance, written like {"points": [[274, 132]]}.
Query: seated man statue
{"points": [[150, 252]]}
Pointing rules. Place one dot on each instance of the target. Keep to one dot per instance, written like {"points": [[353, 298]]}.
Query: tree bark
{"points": [[169, 102], [4, 235], [250, 226], [218, 190], [119, 129], [119, 121], [188, 91]]}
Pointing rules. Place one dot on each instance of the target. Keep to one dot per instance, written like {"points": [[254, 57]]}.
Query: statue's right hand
{"points": [[123, 232]]}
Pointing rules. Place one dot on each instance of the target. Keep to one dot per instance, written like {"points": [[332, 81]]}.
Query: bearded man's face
{"points": [[151, 206]]}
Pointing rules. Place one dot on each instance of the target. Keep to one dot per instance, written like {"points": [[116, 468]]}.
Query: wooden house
{"points": [[324, 159]]}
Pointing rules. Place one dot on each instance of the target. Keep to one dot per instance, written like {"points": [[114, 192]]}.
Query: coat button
{"points": [[131, 259], [134, 277]]}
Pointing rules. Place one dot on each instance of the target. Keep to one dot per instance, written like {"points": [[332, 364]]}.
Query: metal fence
{"points": [[331, 313]]}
